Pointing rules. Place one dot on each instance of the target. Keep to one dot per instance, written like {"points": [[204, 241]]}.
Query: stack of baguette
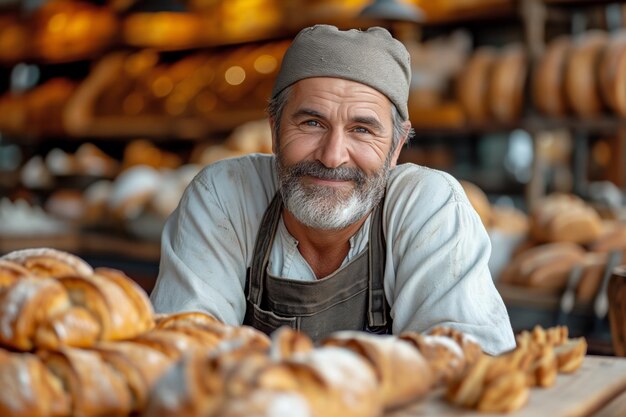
{"points": [[85, 342]]}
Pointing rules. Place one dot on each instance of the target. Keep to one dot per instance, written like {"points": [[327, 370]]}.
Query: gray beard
{"points": [[328, 208]]}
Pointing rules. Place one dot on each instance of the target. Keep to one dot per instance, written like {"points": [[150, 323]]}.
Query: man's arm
{"points": [[208, 241], [440, 253]]}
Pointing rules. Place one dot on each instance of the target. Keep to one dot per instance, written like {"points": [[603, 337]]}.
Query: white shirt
{"points": [[436, 272]]}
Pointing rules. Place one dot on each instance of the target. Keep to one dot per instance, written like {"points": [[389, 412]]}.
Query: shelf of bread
{"points": [[444, 12], [63, 322]]}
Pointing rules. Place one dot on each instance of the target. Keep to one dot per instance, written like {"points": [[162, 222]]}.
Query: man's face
{"points": [[334, 151]]}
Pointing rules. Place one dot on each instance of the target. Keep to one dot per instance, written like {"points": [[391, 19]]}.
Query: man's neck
{"points": [[324, 250]]}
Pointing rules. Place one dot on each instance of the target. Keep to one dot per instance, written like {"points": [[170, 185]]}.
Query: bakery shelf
{"points": [[475, 14]]}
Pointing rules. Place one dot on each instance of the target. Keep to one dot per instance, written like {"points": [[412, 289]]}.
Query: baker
{"points": [[329, 233]]}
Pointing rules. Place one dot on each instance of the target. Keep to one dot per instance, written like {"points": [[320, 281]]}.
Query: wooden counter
{"points": [[597, 389]]}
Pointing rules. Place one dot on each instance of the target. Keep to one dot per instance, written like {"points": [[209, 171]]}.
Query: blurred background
{"points": [[109, 108]]}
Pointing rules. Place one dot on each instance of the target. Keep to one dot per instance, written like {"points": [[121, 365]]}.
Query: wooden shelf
{"points": [[86, 243]]}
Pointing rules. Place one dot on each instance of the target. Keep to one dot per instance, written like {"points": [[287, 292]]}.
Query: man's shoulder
{"points": [[411, 179], [239, 171]]}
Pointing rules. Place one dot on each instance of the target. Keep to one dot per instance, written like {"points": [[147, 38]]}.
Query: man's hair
{"points": [[277, 104]]}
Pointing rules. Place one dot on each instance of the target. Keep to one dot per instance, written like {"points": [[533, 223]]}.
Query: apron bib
{"points": [[351, 298]]}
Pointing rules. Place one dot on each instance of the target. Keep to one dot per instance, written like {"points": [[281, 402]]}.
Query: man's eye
{"points": [[361, 130], [311, 123]]}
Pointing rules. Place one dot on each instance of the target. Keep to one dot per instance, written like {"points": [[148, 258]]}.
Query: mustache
{"points": [[318, 170]]}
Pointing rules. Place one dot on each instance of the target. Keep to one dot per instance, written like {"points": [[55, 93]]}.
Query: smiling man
{"points": [[328, 233]]}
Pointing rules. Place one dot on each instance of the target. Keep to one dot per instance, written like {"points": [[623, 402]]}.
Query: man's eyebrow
{"points": [[369, 121], [308, 112]]}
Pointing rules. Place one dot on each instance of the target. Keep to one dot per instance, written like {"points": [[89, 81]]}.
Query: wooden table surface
{"points": [[597, 389]]}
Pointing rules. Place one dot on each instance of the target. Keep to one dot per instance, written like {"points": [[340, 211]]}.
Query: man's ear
{"points": [[396, 153]]}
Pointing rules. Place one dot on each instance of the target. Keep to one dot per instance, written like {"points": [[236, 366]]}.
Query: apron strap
{"points": [[378, 308], [264, 241]]}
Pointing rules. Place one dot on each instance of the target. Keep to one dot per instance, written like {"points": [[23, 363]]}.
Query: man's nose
{"points": [[333, 151]]}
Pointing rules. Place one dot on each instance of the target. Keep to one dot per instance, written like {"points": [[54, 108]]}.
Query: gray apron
{"points": [[351, 298]]}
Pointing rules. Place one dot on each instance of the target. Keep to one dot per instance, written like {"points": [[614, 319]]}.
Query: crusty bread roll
{"points": [[140, 365], [402, 371], [570, 355], [612, 73], [136, 295], [172, 344], [473, 85], [506, 84], [447, 351], [113, 305], [545, 266], [10, 272], [200, 382], [47, 262], [547, 82], [74, 326], [581, 78], [96, 389], [334, 381], [561, 217], [444, 355], [286, 342], [24, 305], [163, 321], [29, 389]]}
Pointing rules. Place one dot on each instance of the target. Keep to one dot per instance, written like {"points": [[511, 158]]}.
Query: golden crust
{"points": [[47, 262]]}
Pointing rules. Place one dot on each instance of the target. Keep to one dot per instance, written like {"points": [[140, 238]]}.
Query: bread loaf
{"points": [[74, 326], [402, 372], [95, 388], [29, 389], [547, 82], [163, 321], [333, 380], [545, 266], [113, 305], [473, 85], [506, 84], [286, 342], [564, 218], [11, 272], [46, 262], [612, 70], [141, 366], [25, 305], [581, 78], [448, 352]]}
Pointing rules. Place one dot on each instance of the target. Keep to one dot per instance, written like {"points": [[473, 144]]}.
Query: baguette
{"points": [[28, 389], [443, 354], [135, 294], [547, 83], [74, 326], [333, 380], [10, 272], [96, 389], [140, 365], [402, 372], [25, 305], [109, 303], [47, 262], [581, 87], [163, 321]]}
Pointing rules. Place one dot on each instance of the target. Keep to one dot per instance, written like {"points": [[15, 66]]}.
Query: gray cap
{"points": [[372, 57]]}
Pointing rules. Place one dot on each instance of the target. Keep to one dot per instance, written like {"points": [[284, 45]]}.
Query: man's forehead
{"points": [[328, 94]]}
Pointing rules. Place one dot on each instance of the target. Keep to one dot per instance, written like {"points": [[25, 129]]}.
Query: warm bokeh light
{"points": [[235, 75]]}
